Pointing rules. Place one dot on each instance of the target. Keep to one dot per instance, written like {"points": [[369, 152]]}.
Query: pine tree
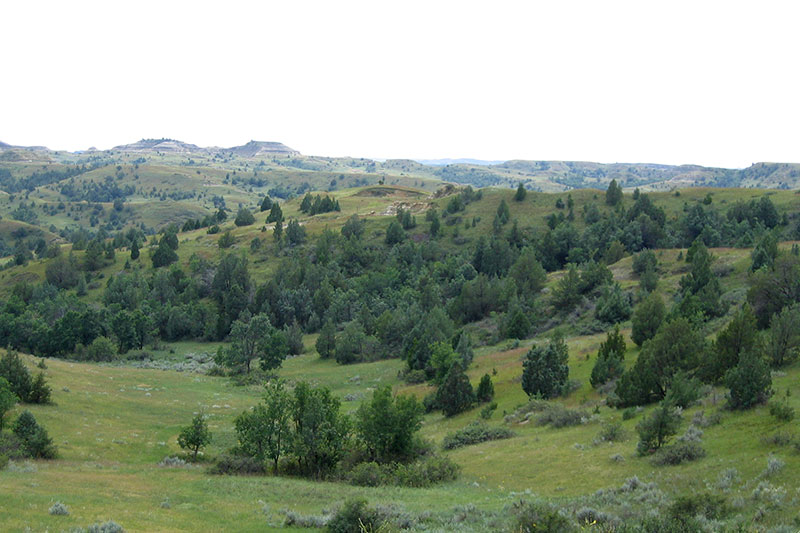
{"points": [[521, 193], [610, 359], [485, 391], [545, 370], [456, 394], [134, 250]]}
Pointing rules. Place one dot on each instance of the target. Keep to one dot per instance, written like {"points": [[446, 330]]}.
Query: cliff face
{"points": [[160, 145], [261, 148]]}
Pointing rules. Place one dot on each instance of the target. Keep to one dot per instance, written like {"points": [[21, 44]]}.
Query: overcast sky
{"points": [[712, 83]]}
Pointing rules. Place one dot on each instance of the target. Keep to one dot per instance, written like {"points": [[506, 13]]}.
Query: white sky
{"points": [[712, 83]]}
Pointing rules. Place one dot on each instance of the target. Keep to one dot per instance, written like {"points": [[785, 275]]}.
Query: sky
{"points": [[703, 82]]}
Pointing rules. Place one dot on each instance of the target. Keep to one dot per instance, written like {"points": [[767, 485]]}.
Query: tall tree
{"points": [[545, 369]]}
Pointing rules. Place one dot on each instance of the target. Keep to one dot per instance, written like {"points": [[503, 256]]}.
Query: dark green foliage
{"points": [[7, 400], [765, 252], [700, 288], [14, 371], [485, 391], [594, 274], [503, 213], [780, 410], [62, 272], [434, 326], [644, 261], [266, 204], [783, 337], [349, 345], [101, 349], [655, 430], [647, 318], [455, 395], [195, 436], [244, 217], [294, 338], [648, 281], [164, 255], [354, 516], [475, 433], [613, 193], [738, 337], [709, 505], [749, 382], [40, 390], [295, 233], [239, 465], [134, 250], [254, 338], [264, 432], [326, 341], [395, 233], [613, 306], [277, 231], [321, 431], [545, 369], [610, 359], [521, 193], [34, 438], [354, 227], [566, 293], [676, 347], [540, 517], [773, 289], [683, 391], [386, 425], [275, 214], [518, 325]]}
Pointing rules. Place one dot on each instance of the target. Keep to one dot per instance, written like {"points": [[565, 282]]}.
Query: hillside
{"points": [[399, 274]]}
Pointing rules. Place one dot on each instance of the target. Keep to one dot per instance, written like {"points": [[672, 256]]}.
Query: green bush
{"points": [[538, 517], [782, 411], [369, 474], [240, 465], [681, 452], [426, 472], [475, 433], [34, 438], [559, 416], [710, 506], [354, 516]]}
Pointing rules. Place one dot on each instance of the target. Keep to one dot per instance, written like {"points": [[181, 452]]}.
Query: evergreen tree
{"points": [[749, 382], [275, 214], [305, 205], [610, 359], [277, 233], [395, 233], [738, 337], [521, 193], [7, 400], [455, 395], [266, 204], [566, 293], [485, 391], [503, 213], [295, 233], [244, 217], [134, 250], [545, 369], [326, 341], [655, 430], [164, 255], [613, 193], [647, 318], [35, 440]]}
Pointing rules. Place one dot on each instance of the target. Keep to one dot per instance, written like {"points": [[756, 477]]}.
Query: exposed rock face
{"points": [[160, 145], [261, 148]]}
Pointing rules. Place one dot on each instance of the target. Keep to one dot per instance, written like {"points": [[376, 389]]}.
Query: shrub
{"points": [[774, 466], [240, 465], [678, 453], [559, 416], [709, 506], [301, 520], [172, 462], [545, 369], [782, 411], [106, 527], [485, 391], [426, 472], [656, 429], [101, 349], [683, 391], [368, 474], [611, 432], [195, 436], [475, 433], [534, 517], [34, 438], [488, 410], [58, 509], [354, 516], [750, 382]]}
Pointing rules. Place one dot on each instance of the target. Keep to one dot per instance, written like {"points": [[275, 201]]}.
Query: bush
{"points": [[488, 410], [534, 517], [559, 416], [611, 432], [678, 453], [34, 438], [353, 517], [485, 391], [710, 506], [172, 462], [106, 527], [426, 472], [369, 474], [475, 433], [240, 465], [782, 411], [58, 509], [101, 349], [750, 382]]}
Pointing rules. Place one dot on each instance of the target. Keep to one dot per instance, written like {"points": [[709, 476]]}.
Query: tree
{"points": [[647, 318], [164, 255], [783, 337], [305, 205], [700, 288], [250, 339], [765, 252], [278, 415], [676, 347], [395, 233], [244, 217], [350, 343], [738, 337], [94, 255], [545, 369], [7, 400], [528, 274], [521, 193], [326, 342], [518, 325], [295, 233], [613, 193], [275, 214], [195, 436], [773, 289], [387, 425], [613, 306], [354, 227], [134, 250], [62, 272], [749, 382], [455, 394], [655, 430], [566, 293], [503, 213], [226, 240], [610, 359], [35, 440], [321, 432], [436, 225], [485, 391], [266, 204], [13, 370], [277, 232]]}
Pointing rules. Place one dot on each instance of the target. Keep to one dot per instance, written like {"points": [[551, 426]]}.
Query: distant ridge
{"points": [[261, 148], [462, 161], [159, 145]]}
